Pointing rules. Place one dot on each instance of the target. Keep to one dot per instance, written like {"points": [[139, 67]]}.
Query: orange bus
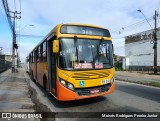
{"points": [[74, 61]]}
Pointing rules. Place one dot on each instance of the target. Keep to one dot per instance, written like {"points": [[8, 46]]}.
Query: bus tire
{"points": [[32, 76], [45, 82]]}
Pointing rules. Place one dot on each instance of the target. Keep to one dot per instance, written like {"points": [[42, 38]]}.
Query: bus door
{"points": [[51, 67], [35, 65]]}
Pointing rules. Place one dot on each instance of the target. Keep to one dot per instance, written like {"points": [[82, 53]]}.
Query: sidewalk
{"points": [[19, 94], [141, 78], [14, 92]]}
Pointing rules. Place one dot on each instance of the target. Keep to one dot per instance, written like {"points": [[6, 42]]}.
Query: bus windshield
{"points": [[81, 54]]}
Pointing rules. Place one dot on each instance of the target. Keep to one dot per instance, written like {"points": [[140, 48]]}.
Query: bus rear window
{"points": [[72, 29]]}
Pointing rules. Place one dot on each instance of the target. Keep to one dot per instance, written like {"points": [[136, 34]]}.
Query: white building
{"points": [[139, 51]]}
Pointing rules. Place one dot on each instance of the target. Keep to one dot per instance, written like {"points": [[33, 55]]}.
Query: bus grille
{"points": [[89, 75], [86, 91]]}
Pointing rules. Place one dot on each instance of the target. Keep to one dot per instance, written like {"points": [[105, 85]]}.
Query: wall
{"points": [[139, 51]]}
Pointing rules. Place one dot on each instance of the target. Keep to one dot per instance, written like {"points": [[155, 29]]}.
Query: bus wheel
{"points": [[32, 76], [44, 82]]}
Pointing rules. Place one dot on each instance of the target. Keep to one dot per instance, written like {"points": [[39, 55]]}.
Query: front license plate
{"points": [[94, 91]]}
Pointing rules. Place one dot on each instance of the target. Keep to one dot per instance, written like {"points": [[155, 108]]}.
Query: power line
{"points": [[158, 21], [158, 11], [132, 26], [145, 18], [15, 5], [20, 4], [12, 27], [6, 8], [30, 36], [130, 44], [137, 23], [19, 21], [158, 7]]}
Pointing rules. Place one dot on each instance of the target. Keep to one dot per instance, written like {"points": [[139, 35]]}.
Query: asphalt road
{"points": [[128, 97]]}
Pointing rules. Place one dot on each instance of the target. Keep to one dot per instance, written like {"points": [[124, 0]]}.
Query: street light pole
{"points": [[145, 18], [155, 40], [18, 58]]}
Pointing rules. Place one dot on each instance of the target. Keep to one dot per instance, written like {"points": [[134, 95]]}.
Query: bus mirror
{"points": [[55, 46], [113, 48]]}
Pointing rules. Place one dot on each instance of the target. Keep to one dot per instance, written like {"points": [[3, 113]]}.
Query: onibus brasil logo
{"points": [[21, 115]]}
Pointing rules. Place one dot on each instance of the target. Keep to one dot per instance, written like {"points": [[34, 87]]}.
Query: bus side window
{"points": [[29, 57], [44, 52], [39, 54], [33, 56]]}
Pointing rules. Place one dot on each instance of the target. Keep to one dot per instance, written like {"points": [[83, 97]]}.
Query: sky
{"points": [[119, 16]]}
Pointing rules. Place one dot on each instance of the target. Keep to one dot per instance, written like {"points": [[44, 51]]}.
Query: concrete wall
{"points": [[139, 51]]}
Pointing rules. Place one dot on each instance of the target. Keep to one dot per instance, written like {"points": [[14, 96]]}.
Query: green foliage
{"points": [[118, 66]]}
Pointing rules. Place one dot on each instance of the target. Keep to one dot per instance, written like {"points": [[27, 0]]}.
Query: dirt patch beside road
{"points": [[148, 83], [39, 107], [140, 78]]}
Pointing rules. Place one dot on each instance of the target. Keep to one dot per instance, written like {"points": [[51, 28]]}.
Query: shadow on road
{"points": [[66, 104], [62, 104], [141, 91]]}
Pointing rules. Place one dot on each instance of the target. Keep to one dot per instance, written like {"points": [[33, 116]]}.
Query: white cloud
{"points": [[111, 14], [6, 48], [25, 48]]}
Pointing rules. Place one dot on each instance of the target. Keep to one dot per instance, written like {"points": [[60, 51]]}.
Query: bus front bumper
{"points": [[64, 94]]}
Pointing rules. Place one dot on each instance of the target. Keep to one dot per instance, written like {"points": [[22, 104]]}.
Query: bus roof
{"points": [[80, 24], [59, 25]]}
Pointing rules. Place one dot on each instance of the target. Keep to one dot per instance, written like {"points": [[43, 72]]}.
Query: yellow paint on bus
{"points": [[82, 65]]}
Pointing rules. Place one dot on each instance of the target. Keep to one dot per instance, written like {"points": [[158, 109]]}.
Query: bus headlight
{"points": [[63, 82], [66, 84], [70, 86], [112, 80]]}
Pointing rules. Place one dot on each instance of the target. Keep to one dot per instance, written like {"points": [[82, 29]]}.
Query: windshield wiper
{"points": [[100, 42], [93, 62], [75, 46]]}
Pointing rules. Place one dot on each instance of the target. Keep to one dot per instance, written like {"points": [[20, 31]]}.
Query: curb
{"points": [[147, 83]]}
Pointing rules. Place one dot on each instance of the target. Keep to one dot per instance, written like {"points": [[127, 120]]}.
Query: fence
{"points": [[4, 64]]}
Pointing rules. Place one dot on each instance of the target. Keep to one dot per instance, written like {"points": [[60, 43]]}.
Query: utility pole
{"points": [[14, 45], [155, 39], [12, 27], [1, 50], [155, 43]]}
